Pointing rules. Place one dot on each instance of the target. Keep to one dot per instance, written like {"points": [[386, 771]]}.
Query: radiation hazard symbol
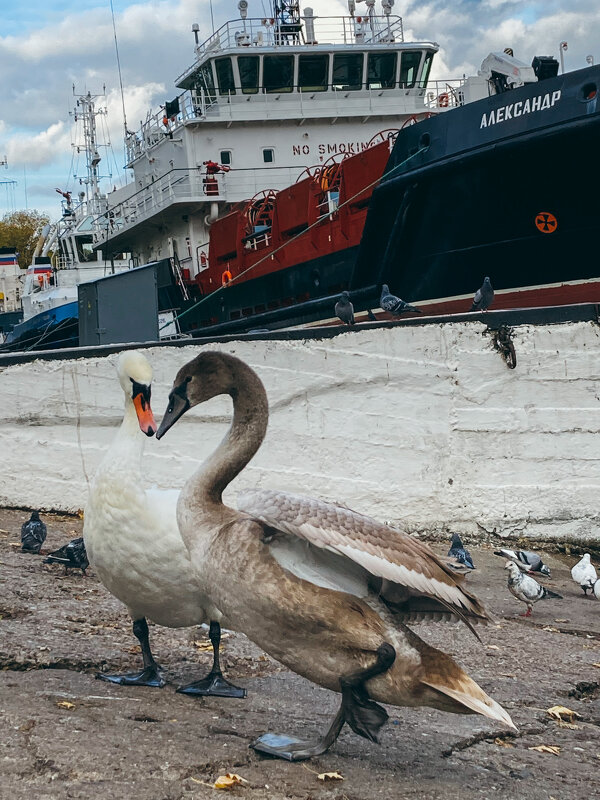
{"points": [[546, 222]]}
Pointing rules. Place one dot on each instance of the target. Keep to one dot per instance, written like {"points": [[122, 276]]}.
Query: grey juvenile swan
{"points": [[320, 588]]}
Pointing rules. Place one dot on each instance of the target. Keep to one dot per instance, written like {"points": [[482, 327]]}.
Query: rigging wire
{"points": [[112, 11]]}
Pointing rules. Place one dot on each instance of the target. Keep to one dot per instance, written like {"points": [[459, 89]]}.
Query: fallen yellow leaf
{"points": [[65, 704], [547, 748], [330, 776], [493, 647], [204, 647], [596, 665], [229, 781], [502, 742], [562, 713]]}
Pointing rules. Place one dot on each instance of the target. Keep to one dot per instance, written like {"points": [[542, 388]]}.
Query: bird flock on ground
{"points": [[521, 564], [391, 304], [326, 591]]}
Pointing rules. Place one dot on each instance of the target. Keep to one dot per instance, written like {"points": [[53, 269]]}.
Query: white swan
{"points": [[322, 589], [133, 541]]}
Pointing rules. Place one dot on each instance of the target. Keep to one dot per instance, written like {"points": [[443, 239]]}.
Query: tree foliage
{"points": [[21, 230]]}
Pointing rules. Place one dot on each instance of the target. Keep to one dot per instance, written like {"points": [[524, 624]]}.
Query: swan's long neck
{"points": [[245, 436], [123, 458]]}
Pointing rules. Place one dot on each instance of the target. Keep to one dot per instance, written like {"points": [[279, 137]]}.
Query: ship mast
{"points": [[86, 112], [288, 25]]}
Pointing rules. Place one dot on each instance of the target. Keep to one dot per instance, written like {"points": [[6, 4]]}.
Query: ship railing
{"points": [[180, 185], [197, 107], [441, 95], [312, 30]]}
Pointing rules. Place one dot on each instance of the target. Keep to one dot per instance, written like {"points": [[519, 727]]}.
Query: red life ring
{"points": [[443, 100], [226, 278]]}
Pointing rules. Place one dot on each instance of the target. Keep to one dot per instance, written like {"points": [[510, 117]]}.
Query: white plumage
{"points": [[584, 573]]}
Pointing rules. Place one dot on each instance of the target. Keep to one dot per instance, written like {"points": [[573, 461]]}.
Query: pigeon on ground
{"points": [[459, 552], [396, 306], [344, 309], [71, 555], [584, 573], [33, 534], [484, 296], [525, 588], [597, 589], [526, 560]]}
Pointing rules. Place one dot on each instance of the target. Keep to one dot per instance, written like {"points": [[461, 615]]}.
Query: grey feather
{"points": [[344, 309], [394, 305], [484, 296]]}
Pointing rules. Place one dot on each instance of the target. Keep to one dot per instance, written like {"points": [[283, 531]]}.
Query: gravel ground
{"points": [[66, 734]]}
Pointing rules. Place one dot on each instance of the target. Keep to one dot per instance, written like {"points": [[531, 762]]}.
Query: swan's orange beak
{"points": [[144, 414]]}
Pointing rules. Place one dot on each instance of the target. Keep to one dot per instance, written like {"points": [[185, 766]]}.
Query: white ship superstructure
{"points": [[65, 256], [264, 100]]}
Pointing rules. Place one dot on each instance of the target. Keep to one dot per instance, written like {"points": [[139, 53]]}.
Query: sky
{"points": [[49, 46]]}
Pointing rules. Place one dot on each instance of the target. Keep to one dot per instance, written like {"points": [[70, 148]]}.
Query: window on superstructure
{"points": [[347, 71], [381, 70], [225, 76], [409, 68], [313, 73], [225, 157], [248, 68], [426, 69], [268, 155], [205, 83], [278, 73]]}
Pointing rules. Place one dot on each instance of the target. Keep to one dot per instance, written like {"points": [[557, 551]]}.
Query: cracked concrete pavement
{"points": [[66, 734]]}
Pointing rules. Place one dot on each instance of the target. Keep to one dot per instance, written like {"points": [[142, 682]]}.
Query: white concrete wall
{"points": [[422, 426]]}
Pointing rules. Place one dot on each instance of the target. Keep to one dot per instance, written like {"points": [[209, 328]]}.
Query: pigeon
{"points": [[597, 589], [526, 560], [33, 534], [525, 588], [459, 552], [484, 296], [71, 555], [344, 309], [584, 573], [396, 306]]}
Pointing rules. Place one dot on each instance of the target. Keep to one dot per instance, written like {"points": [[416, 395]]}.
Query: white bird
{"points": [[133, 541], [526, 588], [597, 589], [324, 590], [584, 573]]}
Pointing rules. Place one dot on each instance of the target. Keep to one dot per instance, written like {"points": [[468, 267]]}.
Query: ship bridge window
{"points": [[248, 67], [225, 157], [313, 72], [205, 84], [225, 75], [278, 73], [426, 69], [347, 71], [381, 70], [409, 68], [85, 249]]}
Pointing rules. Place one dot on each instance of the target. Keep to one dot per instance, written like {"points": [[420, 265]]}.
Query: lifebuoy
{"points": [[443, 100], [226, 278]]}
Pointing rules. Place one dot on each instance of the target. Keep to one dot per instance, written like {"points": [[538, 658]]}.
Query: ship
{"points": [[388, 177]]}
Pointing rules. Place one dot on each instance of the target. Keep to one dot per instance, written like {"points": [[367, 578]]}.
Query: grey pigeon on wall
{"points": [[484, 296], [526, 560], [344, 309], [584, 573], [460, 552], [33, 534], [394, 305], [72, 554], [526, 588]]}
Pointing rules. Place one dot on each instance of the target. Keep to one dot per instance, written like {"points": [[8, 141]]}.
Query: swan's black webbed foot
{"points": [[291, 749], [213, 685], [365, 716], [150, 676]]}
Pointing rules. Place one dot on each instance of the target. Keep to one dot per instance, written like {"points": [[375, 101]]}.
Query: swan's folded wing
{"points": [[384, 552]]}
